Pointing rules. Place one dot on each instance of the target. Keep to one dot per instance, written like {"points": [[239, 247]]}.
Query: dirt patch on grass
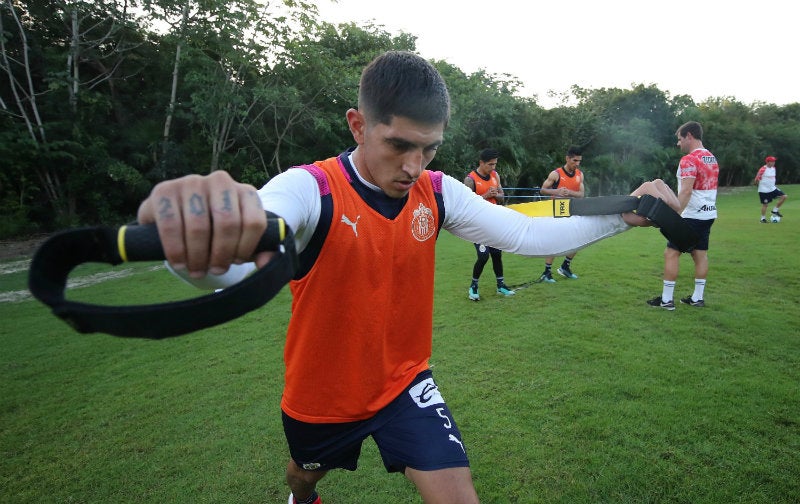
{"points": [[15, 256], [20, 249], [73, 283]]}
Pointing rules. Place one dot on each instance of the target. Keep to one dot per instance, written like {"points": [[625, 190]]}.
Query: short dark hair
{"points": [[403, 84], [574, 151], [488, 154], [692, 127]]}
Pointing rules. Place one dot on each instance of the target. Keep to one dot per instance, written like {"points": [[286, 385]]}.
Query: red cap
{"points": [[769, 158]]}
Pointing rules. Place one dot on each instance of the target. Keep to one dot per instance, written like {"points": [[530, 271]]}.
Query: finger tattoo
{"points": [[226, 201], [165, 208], [196, 205]]}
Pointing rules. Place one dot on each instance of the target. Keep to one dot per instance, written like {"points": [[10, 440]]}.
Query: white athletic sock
{"points": [[699, 288], [668, 291]]}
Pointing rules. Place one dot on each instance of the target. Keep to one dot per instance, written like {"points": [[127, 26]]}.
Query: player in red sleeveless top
{"points": [[564, 182], [485, 181]]}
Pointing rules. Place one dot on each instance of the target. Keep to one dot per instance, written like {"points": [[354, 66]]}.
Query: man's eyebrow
{"points": [[403, 143]]}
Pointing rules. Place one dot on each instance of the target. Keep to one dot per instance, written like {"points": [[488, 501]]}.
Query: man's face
{"points": [[573, 163], [392, 156], [683, 143], [487, 167]]}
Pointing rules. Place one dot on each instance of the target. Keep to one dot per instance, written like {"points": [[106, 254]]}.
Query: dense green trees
{"points": [[101, 99]]}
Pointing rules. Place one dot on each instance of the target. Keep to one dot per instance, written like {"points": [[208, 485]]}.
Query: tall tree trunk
{"points": [[73, 60], [175, 73]]}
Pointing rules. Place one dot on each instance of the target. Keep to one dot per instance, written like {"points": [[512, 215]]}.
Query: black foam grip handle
{"points": [[57, 256], [142, 243]]}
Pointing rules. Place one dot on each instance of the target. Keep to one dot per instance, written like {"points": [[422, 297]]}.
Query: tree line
{"points": [[102, 99]]}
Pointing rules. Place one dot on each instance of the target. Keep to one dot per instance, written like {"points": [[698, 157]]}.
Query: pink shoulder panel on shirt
{"points": [[319, 175], [436, 180], [344, 170]]}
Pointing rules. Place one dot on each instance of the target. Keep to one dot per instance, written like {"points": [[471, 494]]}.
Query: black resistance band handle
{"points": [[61, 253], [141, 243]]}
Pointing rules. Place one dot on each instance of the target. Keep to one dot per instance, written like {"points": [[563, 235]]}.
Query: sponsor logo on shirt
{"points": [[350, 223]]}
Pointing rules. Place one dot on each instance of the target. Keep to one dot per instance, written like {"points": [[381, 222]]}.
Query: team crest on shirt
{"points": [[423, 225]]}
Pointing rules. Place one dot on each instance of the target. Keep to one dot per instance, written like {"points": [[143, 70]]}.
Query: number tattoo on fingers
{"points": [[197, 205], [165, 208], [226, 201]]}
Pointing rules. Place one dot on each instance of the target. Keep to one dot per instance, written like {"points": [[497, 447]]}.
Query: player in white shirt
{"points": [[768, 191], [698, 176]]}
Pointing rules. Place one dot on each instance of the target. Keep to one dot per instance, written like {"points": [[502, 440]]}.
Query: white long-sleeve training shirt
{"points": [[294, 196]]}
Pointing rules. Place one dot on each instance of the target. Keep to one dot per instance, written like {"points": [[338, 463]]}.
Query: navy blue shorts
{"points": [[766, 197], [703, 230], [415, 430]]}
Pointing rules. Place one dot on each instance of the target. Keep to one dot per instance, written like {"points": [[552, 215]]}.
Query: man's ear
{"points": [[358, 125]]}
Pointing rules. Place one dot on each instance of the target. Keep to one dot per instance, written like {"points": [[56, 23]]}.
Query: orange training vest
{"points": [[481, 185], [572, 183], [362, 318]]}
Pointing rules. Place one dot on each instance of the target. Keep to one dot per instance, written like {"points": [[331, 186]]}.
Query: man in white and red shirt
{"points": [[767, 190], [698, 173]]}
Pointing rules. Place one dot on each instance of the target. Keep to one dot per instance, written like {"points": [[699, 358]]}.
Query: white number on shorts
{"points": [[447, 423]]}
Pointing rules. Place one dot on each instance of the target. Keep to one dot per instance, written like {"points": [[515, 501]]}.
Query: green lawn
{"points": [[574, 392]]}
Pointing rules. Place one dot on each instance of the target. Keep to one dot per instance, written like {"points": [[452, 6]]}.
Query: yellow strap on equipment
{"points": [[559, 207]]}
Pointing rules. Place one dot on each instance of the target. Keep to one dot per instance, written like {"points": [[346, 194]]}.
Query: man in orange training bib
{"points": [[365, 224]]}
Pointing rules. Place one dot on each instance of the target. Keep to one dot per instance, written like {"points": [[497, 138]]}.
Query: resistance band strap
{"points": [[671, 225], [567, 207], [61, 253]]}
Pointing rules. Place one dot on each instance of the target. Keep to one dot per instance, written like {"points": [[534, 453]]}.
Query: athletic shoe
{"points": [[764, 221], [566, 273], [778, 213], [292, 501], [546, 277], [688, 300], [656, 302], [473, 293], [504, 290]]}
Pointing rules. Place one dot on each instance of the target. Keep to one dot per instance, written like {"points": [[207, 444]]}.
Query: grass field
{"points": [[574, 392]]}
